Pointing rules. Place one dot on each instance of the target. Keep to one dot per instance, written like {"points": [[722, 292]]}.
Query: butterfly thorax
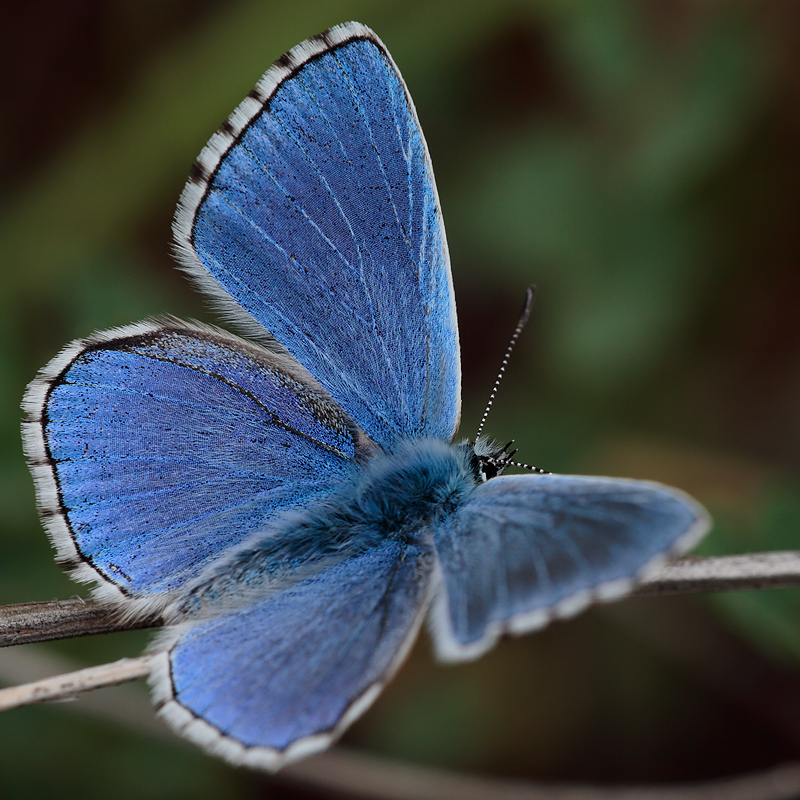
{"points": [[401, 497], [399, 494]]}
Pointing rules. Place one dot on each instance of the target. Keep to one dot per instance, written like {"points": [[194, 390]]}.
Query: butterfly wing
{"points": [[313, 212], [156, 447], [525, 549], [283, 676]]}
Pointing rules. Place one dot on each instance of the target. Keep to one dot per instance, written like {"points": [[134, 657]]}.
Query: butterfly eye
{"points": [[476, 467], [490, 469], [487, 466]]}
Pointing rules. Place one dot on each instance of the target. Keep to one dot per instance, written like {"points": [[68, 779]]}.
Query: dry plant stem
{"points": [[32, 622], [349, 774], [65, 619], [341, 773], [26, 623], [725, 573], [63, 687]]}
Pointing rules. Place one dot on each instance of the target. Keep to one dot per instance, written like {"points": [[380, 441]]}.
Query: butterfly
{"points": [[296, 504]]}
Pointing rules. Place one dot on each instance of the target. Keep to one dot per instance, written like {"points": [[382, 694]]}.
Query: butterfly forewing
{"points": [[158, 447], [316, 212]]}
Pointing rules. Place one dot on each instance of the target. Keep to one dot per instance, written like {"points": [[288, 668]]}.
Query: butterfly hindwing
{"points": [[314, 210], [525, 549], [284, 675], [159, 446]]}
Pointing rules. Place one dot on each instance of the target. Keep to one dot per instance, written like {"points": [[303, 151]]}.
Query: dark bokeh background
{"points": [[639, 162]]}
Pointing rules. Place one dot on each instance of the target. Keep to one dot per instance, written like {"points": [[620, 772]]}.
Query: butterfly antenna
{"points": [[523, 318], [529, 467]]}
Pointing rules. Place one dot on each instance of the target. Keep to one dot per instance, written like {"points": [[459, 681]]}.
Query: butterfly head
{"points": [[488, 459]]}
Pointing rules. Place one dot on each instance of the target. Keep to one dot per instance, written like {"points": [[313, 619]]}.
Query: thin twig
{"points": [[127, 705], [349, 774], [31, 622], [65, 619], [63, 687], [26, 623], [725, 573]]}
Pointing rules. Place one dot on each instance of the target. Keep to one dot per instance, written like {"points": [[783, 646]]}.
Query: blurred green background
{"points": [[639, 162]]}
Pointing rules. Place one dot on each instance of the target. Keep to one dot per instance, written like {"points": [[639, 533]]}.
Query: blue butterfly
{"points": [[296, 505]]}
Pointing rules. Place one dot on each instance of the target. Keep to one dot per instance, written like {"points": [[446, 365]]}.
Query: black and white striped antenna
{"points": [[523, 318], [506, 459]]}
